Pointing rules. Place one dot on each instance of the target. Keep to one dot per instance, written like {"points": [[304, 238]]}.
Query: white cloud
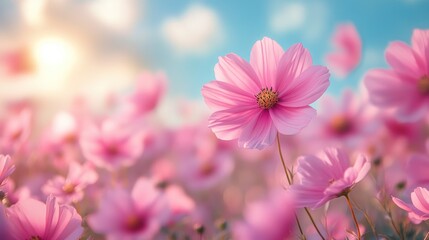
{"points": [[288, 17], [196, 31], [309, 19], [118, 15]]}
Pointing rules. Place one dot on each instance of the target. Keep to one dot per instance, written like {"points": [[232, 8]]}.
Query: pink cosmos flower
{"points": [[6, 168], [253, 101], [15, 130], [138, 215], [32, 219], [71, 189], [203, 173], [348, 120], [347, 40], [327, 176], [112, 145], [179, 202], [149, 90], [418, 210], [272, 218], [336, 225], [405, 87]]}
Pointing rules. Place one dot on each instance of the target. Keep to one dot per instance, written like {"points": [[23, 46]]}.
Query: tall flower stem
{"points": [[354, 216], [289, 179]]}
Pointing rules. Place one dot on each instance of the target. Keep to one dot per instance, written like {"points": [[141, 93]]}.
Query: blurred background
{"points": [[55, 52]]}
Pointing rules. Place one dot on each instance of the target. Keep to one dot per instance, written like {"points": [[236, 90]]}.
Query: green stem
{"points": [[289, 179], [354, 216]]}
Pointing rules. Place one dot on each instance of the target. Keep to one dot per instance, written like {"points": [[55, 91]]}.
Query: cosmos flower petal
{"points": [[259, 133], [420, 199], [307, 88], [386, 89], [401, 57], [420, 43], [236, 71], [264, 57], [290, 121], [220, 95], [293, 62], [228, 124]]}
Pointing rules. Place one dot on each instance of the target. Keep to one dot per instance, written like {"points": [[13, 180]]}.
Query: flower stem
{"points": [[353, 214], [289, 179], [314, 224]]}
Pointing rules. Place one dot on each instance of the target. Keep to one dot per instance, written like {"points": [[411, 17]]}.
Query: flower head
{"points": [[253, 101], [138, 215], [271, 218], [32, 219], [346, 38], [404, 87], [327, 176], [71, 188], [111, 145], [418, 210]]}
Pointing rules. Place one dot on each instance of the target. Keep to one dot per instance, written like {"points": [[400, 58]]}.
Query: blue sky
{"points": [[310, 22]]}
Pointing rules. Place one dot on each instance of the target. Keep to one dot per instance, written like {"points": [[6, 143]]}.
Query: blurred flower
{"points": [[111, 145], [251, 102], [347, 40], [32, 219], [348, 120], [203, 173], [138, 215], [327, 176], [4, 228], [418, 210], [272, 218], [405, 87], [179, 202], [149, 90], [14, 131], [6, 168], [71, 189], [336, 226]]}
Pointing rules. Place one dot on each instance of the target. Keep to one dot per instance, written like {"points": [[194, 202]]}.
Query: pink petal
{"points": [[307, 87], [259, 132], [347, 40], [413, 110], [293, 62], [402, 204], [401, 57], [236, 71], [228, 124], [220, 95], [290, 121], [420, 44], [264, 57], [362, 167], [386, 89], [420, 199]]}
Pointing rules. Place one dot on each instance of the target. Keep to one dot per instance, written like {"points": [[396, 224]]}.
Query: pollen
{"points": [[423, 85], [267, 98]]}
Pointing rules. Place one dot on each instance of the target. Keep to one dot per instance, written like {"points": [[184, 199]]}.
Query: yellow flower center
{"points": [[68, 188], [423, 85], [267, 98]]}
